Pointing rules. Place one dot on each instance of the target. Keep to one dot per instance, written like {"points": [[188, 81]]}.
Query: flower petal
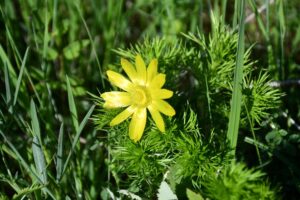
{"points": [[141, 69], [129, 69], [151, 70], [122, 116], [116, 99], [137, 124], [158, 81], [156, 116], [119, 80], [163, 107], [161, 93]]}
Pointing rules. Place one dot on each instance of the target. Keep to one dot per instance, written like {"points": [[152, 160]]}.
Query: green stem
{"points": [[253, 135], [235, 110]]}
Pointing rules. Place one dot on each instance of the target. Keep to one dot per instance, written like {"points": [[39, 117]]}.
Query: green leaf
{"points": [[39, 159], [259, 19], [7, 63], [258, 144], [192, 195], [19, 158], [282, 29], [20, 76], [51, 54], [34, 121], [275, 137], [59, 160], [7, 87], [38, 154], [46, 35], [72, 106], [81, 126], [26, 191], [235, 111], [93, 46], [73, 49], [10, 181]]}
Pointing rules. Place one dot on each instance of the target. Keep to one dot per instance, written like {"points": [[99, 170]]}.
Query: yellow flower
{"points": [[143, 91]]}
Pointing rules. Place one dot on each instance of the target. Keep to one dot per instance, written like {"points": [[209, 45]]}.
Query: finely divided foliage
{"points": [[149, 99], [193, 147]]}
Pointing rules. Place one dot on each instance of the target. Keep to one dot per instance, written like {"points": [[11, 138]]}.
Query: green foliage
{"points": [[188, 150], [282, 148], [236, 102], [192, 195], [180, 150], [146, 160], [234, 181], [52, 53], [259, 97]]}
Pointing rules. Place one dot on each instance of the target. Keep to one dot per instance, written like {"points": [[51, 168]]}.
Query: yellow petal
{"points": [[161, 93], [163, 107], [129, 69], [119, 80], [122, 116], [156, 116], [137, 124], [151, 70], [158, 81], [141, 69], [116, 99]]}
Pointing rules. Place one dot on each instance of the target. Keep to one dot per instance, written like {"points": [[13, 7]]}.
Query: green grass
{"points": [[55, 139], [234, 117]]}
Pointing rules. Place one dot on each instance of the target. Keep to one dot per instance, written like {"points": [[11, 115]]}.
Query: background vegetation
{"points": [[53, 55]]}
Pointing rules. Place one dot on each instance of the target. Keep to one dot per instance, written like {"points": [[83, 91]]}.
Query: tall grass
{"points": [[53, 53], [235, 111]]}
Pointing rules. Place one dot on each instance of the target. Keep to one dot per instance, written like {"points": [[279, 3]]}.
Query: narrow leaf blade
{"points": [[82, 125], [72, 106], [7, 86], [20, 76], [59, 161], [34, 120], [39, 159], [235, 111]]}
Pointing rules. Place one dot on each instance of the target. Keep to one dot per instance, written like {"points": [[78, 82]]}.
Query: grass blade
{"points": [[253, 134], [22, 162], [82, 125], [72, 106], [45, 38], [235, 14], [20, 77], [19, 158], [38, 154], [39, 159], [7, 87], [235, 111], [59, 161], [92, 43], [282, 29], [34, 121], [259, 19], [257, 143], [7, 63], [224, 5]]}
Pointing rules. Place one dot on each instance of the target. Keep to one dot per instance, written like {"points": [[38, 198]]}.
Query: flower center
{"points": [[140, 96]]}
